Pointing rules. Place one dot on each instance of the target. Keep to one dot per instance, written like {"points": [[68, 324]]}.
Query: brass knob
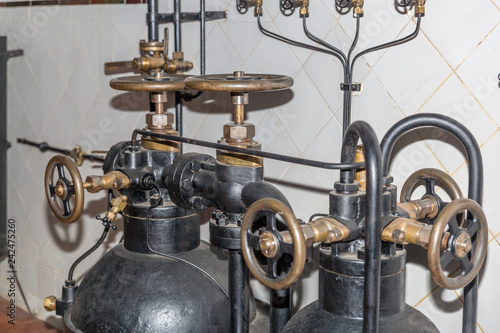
{"points": [[49, 303]]}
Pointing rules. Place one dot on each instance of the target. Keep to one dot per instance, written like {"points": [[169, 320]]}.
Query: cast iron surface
{"points": [[133, 292], [313, 319]]}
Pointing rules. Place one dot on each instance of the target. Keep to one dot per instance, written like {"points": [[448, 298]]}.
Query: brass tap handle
{"points": [[271, 245], [118, 67], [466, 244], [77, 155], [60, 191], [165, 45]]}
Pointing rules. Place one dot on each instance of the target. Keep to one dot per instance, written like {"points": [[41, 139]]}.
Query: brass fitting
{"points": [[326, 230], [159, 120], [49, 303], [114, 180], [119, 205], [407, 231], [304, 8], [358, 6], [239, 132], [258, 7], [418, 209], [177, 64], [77, 155], [360, 173], [420, 7]]}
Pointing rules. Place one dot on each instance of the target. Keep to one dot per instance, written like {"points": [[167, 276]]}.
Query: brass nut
{"points": [[463, 245], [178, 56], [159, 120], [268, 244], [239, 132], [49, 303]]}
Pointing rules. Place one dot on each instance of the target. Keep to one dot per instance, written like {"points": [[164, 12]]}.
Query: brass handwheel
{"points": [[270, 243], [150, 83], [466, 244], [431, 178], [64, 189], [239, 82]]}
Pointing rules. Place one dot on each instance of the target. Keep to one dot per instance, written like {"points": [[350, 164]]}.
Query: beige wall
{"points": [[58, 93]]}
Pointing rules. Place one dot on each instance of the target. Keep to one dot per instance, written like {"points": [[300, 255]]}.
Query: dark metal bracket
{"points": [[189, 17], [11, 54], [354, 87]]}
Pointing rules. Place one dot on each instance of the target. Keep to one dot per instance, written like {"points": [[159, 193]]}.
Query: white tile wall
{"points": [[59, 93]]}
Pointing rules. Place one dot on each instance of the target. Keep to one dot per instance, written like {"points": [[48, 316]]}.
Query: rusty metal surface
{"points": [[247, 83], [149, 83]]}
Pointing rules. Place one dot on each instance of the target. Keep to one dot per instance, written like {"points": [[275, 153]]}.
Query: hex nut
{"points": [[239, 132], [159, 120]]}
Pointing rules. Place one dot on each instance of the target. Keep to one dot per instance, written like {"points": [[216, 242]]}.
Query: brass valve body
{"points": [[325, 230], [160, 122], [358, 7], [119, 205], [418, 209], [114, 180]]}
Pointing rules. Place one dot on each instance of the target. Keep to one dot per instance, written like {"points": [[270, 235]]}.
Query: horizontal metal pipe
{"points": [[259, 153]]}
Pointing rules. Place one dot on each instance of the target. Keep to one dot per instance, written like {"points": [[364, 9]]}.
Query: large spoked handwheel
{"points": [[432, 178], [60, 191], [466, 244], [271, 244]]}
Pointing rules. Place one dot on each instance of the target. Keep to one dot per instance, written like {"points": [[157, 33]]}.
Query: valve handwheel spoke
{"points": [[432, 178], [270, 243], [60, 192], [467, 245]]}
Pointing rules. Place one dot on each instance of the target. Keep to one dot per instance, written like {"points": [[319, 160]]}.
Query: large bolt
{"points": [[196, 202]]}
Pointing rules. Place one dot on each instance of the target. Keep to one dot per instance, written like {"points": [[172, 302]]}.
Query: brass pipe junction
{"points": [[325, 230], [114, 180], [419, 209]]}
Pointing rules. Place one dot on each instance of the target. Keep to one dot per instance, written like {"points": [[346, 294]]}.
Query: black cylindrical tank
{"points": [[132, 289], [341, 289]]}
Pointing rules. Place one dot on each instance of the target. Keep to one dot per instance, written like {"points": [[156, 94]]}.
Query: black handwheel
{"points": [[271, 244]]}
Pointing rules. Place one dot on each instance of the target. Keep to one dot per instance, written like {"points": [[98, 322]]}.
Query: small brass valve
{"points": [[358, 6], [119, 205], [114, 180]]}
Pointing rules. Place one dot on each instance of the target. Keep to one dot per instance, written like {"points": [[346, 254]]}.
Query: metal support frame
{"points": [[4, 144]]}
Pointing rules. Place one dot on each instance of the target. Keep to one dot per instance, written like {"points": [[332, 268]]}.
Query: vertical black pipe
{"points": [[152, 19], [373, 225], [281, 309], [178, 48], [3, 146], [202, 37], [475, 191], [239, 293]]}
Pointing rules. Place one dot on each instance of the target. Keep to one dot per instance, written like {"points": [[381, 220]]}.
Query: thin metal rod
{"points": [[177, 25], [202, 37], [239, 293], [348, 79], [322, 42], [152, 20], [43, 147], [373, 225], [3, 146], [293, 42], [259, 153]]}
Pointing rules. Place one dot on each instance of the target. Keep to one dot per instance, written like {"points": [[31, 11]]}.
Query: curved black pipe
{"points": [[362, 130], [475, 191], [448, 124], [260, 190]]}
